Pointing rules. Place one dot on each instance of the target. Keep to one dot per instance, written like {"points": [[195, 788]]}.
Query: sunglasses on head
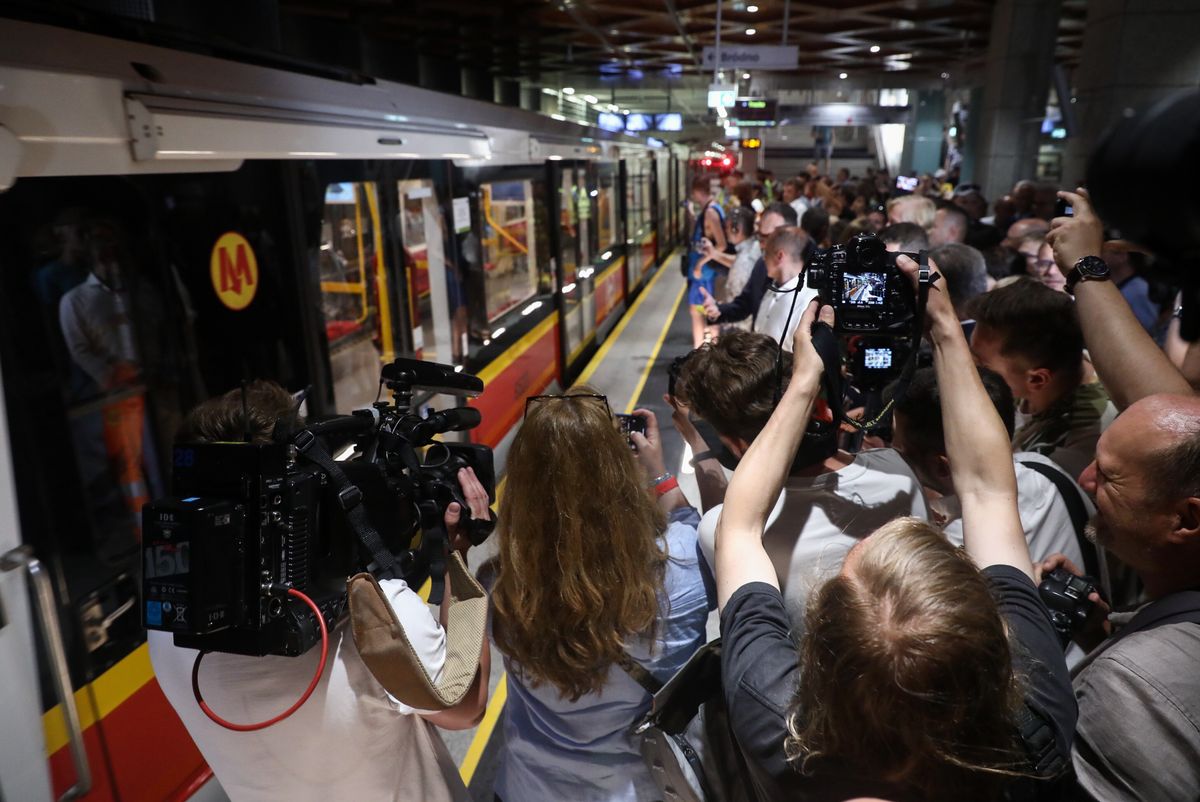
{"points": [[593, 397]]}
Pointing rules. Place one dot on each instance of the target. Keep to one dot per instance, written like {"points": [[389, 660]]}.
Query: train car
{"points": [[172, 224]]}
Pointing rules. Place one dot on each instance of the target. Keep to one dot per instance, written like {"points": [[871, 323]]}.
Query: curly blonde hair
{"points": [[581, 568]]}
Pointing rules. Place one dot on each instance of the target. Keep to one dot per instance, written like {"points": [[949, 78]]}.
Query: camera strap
{"points": [[350, 499]]}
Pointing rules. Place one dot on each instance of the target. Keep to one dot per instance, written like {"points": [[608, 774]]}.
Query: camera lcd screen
{"points": [[877, 358], [906, 183], [863, 289]]}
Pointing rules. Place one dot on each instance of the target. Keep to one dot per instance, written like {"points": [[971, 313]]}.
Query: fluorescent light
{"points": [[546, 91], [752, 9], [874, 48], [751, 31], [569, 288], [554, 158], [591, 98], [842, 75], [533, 307], [586, 273], [745, 76], [606, 255], [498, 332], [558, 117], [567, 90]]}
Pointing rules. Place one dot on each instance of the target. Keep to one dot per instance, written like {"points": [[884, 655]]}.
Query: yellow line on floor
{"points": [[662, 336], [484, 733], [613, 335]]}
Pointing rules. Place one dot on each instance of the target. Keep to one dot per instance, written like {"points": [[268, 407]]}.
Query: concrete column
{"points": [[923, 137], [1019, 69], [1135, 52], [971, 136]]}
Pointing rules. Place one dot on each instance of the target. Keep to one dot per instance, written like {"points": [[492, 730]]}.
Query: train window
{"points": [[354, 294], [509, 236], [439, 326], [568, 226], [575, 204]]}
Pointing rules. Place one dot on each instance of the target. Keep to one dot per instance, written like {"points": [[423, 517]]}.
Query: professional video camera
{"points": [[248, 524]]}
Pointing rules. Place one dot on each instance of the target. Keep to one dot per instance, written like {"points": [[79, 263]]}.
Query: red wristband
{"points": [[665, 486]]}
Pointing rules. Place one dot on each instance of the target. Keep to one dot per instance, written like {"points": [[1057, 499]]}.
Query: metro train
{"points": [[174, 223]]}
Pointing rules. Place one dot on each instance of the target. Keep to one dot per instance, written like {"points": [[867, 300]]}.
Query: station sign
{"points": [[234, 271], [754, 112], [751, 57]]}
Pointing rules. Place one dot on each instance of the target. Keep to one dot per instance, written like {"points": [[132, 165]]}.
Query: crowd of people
{"points": [[882, 631]]}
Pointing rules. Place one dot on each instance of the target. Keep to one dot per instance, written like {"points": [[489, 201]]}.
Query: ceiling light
{"points": [[567, 90], [745, 76], [751, 31], [842, 75], [613, 107], [624, 111], [752, 9], [874, 48], [945, 75], [591, 98]]}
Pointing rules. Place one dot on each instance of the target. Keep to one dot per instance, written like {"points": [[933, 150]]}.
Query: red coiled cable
{"points": [[229, 725]]}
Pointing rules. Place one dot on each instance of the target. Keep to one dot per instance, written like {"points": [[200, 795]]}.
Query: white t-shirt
{"points": [[818, 519], [1044, 516], [801, 206], [350, 740], [775, 308]]}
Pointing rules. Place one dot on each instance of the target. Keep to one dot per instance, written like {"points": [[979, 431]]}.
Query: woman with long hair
{"points": [[598, 565], [923, 671]]}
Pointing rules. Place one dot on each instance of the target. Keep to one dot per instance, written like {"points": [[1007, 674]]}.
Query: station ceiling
{"points": [[534, 40]]}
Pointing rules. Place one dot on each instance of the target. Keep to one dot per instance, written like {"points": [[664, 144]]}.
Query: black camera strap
{"points": [[350, 499]]}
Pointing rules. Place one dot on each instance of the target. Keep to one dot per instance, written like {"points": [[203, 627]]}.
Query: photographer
{"points": [[1030, 335], [351, 739], [1138, 689], [918, 660], [599, 574], [831, 499]]}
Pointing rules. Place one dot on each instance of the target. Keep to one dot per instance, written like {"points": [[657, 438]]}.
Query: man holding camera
{"points": [[1139, 688], [351, 739]]}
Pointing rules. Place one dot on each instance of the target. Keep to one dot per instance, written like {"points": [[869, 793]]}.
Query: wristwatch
{"points": [[1089, 268]]}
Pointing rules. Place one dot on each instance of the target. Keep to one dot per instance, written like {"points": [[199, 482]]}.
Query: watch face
{"points": [[1092, 267]]}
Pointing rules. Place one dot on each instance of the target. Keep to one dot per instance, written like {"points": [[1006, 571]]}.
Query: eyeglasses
{"points": [[592, 397]]}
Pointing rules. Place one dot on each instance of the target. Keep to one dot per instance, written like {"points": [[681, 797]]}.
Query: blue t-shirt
{"points": [[582, 751]]}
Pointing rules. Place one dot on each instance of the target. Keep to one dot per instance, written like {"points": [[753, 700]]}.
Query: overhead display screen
{"points": [[754, 111], [671, 121], [638, 122]]}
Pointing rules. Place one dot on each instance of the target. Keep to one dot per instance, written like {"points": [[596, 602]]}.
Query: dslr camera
{"points": [[861, 281], [1066, 597], [247, 522]]}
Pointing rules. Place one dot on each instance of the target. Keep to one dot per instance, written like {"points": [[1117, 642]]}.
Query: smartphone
{"points": [[1063, 209], [630, 424], [906, 183]]}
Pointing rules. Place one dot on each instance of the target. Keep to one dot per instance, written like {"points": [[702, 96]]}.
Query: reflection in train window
{"points": [[354, 292], [510, 269], [437, 304], [606, 207]]}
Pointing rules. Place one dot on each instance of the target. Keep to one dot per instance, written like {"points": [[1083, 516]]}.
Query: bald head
{"points": [[1030, 225], [1162, 432]]}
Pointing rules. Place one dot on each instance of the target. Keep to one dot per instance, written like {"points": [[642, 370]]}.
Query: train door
{"points": [[123, 303], [437, 302], [23, 773], [576, 252], [357, 292]]}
